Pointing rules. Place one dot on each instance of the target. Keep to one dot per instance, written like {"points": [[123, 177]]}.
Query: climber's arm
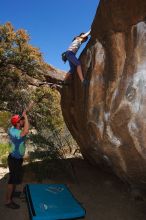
{"points": [[86, 34]]}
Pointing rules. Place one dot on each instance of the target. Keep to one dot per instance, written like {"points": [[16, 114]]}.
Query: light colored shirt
{"points": [[75, 45], [17, 143]]}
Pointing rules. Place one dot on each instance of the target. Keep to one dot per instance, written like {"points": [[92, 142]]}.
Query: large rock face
{"points": [[108, 117]]}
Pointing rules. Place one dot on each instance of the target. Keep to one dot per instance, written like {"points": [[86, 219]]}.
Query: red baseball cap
{"points": [[15, 119]]}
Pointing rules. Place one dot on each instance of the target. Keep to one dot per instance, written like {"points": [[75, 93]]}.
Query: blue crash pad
{"points": [[52, 202]]}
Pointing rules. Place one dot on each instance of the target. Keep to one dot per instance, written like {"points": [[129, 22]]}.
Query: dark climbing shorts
{"points": [[73, 61], [15, 170]]}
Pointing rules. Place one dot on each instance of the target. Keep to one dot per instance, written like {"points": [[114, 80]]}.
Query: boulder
{"points": [[107, 118]]}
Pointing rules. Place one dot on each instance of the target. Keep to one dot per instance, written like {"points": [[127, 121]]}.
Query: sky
{"points": [[51, 24]]}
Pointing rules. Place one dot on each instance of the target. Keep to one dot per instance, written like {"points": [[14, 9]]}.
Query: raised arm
{"points": [[26, 125]]}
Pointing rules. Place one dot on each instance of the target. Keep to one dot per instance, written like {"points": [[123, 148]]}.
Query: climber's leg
{"points": [[74, 62]]}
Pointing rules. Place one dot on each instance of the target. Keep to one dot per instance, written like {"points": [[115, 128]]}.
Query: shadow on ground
{"points": [[102, 194]]}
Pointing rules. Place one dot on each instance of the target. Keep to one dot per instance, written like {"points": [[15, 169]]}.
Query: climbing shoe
{"points": [[85, 82], [12, 205]]}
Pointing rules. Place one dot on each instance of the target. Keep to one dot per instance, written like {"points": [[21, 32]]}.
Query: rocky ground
{"points": [[102, 194]]}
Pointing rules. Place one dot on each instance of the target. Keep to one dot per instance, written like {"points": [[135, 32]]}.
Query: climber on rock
{"points": [[70, 55]]}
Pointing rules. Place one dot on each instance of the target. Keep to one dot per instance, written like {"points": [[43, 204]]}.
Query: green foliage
{"points": [[20, 62], [14, 49], [5, 119], [4, 151], [48, 104], [52, 134]]}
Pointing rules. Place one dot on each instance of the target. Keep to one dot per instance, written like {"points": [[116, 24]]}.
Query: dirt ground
{"points": [[103, 195]]}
